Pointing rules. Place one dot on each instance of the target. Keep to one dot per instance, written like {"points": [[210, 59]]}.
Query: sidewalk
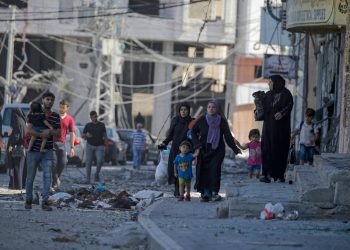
{"points": [[194, 225]]}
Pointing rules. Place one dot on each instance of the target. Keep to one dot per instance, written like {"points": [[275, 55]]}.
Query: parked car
{"points": [[6, 113], [116, 148], [79, 149], [151, 152]]}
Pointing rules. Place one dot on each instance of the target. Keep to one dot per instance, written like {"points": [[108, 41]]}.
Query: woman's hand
{"points": [[10, 149], [162, 146], [278, 116]]}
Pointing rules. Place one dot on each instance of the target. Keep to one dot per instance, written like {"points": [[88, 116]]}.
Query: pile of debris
{"points": [[99, 197]]}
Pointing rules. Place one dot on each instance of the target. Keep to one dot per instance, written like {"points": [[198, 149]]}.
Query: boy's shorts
{"points": [[184, 181], [39, 129], [306, 154], [251, 168]]}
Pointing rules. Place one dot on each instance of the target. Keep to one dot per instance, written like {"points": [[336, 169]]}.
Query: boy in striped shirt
{"points": [[138, 145]]}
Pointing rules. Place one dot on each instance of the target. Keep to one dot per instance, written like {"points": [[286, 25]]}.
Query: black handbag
{"points": [[259, 97], [18, 151]]}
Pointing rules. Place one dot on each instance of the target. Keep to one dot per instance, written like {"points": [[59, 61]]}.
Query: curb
{"points": [[156, 238]]}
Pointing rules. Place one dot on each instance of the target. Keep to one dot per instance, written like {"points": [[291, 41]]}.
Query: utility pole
{"points": [[10, 51], [107, 92], [344, 134]]}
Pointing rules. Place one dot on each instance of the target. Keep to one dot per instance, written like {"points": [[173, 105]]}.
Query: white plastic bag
{"points": [[161, 174], [271, 211]]}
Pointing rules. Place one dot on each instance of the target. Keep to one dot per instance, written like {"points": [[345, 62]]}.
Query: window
{"points": [[21, 4], [145, 7], [257, 71]]}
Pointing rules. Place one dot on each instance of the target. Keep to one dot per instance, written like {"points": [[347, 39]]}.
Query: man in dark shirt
{"points": [[95, 135], [34, 156]]}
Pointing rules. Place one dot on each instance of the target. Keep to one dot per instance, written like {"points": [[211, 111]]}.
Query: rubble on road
{"points": [[99, 197]]}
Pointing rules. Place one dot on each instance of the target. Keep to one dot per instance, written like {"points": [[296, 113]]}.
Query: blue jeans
{"points": [[33, 160], [137, 157], [306, 154], [99, 152]]}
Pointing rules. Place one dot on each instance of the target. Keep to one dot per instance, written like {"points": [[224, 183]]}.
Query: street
{"points": [[186, 225], [70, 228]]}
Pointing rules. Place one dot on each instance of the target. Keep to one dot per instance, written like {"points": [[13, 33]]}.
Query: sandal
{"points": [[265, 179], [281, 180], [204, 199]]}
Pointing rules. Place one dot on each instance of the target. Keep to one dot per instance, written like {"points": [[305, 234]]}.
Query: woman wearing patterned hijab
{"points": [[276, 130], [208, 136]]}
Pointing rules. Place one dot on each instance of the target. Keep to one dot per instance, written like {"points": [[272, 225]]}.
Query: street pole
{"points": [[344, 134], [10, 51]]}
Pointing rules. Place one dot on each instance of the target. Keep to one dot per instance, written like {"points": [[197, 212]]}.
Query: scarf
{"points": [[214, 130]]}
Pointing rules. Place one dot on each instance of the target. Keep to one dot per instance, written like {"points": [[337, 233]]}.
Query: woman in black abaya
{"points": [[208, 136], [276, 130], [16, 165], [176, 133]]}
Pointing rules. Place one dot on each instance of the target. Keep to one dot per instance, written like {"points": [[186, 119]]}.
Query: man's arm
{"points": [[72, 139]]}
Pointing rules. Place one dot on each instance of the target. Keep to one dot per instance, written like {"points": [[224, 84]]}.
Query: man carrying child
{"points": [[45, 158]]}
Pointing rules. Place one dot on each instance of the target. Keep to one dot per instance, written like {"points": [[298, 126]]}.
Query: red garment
{"points": [[67, 124], [254, 153]]}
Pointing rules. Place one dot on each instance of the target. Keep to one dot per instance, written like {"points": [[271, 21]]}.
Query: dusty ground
{"points": [[72, 228]]}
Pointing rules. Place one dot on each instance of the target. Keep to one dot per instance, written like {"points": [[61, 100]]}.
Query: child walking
{"points": [[183, 169], [37, 119], [308, 134], [254, 159]]}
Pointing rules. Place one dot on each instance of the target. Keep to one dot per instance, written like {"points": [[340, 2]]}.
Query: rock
{"points": [[129, 234], [146, 194]]}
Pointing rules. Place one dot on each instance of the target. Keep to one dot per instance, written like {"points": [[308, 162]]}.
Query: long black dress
{"points": [[276, 133], [208, 169], [177, 133], [16, 165]]}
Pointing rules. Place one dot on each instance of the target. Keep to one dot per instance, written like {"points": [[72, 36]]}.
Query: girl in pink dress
{"points": [[254, 159]]}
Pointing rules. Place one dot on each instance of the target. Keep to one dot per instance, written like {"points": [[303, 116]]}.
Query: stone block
{"points": [[342, 193], [318, 195]]}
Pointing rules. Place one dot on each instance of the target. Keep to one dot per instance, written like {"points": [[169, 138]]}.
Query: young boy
{"points": [[183, 169], [308, 134]]}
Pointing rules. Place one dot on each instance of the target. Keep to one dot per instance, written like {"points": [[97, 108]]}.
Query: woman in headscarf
{"points": [[276, 130], [16, 138], [176, 133], [208, 136]]}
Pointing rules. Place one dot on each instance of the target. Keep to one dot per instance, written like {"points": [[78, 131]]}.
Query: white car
{"points": [[6, 114]]}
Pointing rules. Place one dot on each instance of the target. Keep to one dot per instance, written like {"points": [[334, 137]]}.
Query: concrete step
{"points": [[311, 187], [334, 170]]}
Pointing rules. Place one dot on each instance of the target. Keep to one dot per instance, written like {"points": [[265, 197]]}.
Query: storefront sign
{"points": [[308, 14], [279, 65]]}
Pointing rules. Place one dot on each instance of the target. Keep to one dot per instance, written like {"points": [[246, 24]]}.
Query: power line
{"points": [[99, 15], [87, 8]]}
